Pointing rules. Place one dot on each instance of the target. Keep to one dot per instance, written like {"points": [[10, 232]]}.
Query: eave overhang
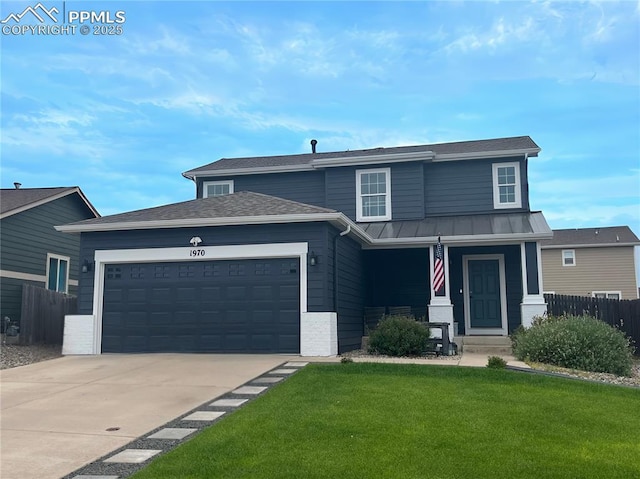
{"points": [[368, 160], [339, 220]]}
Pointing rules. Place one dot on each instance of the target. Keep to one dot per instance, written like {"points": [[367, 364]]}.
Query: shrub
{"points": [[577, 342], [398, 335], [496, 362]]}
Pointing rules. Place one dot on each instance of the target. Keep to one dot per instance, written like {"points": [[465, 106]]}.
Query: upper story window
{"points": [[568, 257], [373, 194], [506, 185], [217, 188], [57, 273]]}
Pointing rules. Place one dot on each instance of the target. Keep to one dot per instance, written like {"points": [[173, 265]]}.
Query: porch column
{"points": [[440, 307], [533, 303]]}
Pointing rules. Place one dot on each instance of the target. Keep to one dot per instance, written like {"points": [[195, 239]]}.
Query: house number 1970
{"points": [[196, 252]]}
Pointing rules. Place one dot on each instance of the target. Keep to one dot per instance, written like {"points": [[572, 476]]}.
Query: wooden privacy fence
{"points": [[42, 317], [623, 314]]}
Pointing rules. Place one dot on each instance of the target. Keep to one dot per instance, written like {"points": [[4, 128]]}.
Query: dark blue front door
{"points": [[484, 293]]}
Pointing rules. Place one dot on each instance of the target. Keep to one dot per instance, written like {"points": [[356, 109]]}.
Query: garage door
{"points": [[246, 306]]}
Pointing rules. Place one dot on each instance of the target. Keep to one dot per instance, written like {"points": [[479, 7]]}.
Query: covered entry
{"points": [[230, 306]]}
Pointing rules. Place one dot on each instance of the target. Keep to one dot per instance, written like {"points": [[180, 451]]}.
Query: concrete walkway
{"points": [[58, 415]]}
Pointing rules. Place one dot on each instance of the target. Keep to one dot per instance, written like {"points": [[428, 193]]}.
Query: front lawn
{"points": [[408, 421]]}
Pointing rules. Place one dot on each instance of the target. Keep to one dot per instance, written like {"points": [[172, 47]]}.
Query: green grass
{"points": [[408, 421]]}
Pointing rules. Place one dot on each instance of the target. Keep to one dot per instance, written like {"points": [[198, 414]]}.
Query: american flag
{"points": [[438, 268]]}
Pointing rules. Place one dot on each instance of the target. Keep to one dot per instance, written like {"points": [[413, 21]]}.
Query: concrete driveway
{"points": [[55, 414]]}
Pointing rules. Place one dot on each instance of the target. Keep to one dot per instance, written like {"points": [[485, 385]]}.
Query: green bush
{"points": [[577, 342], [496, 362], [398, 335]]}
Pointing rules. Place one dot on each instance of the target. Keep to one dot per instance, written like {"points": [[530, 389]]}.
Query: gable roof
{"points": [[240, 205], [17, 200], [592, 237], [462, 150], [249, 208]]}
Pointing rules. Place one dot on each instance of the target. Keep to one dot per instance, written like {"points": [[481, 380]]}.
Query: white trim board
{"points": [[210, 253]]}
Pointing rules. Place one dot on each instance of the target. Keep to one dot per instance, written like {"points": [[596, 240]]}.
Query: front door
{"points": [[484, 295]]}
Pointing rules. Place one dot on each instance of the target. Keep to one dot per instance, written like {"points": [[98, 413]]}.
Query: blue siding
{"points": [[304, 187], [398, 277], [407, 190], [531, 253], [465, 187], [26, 239], [350, 292]]}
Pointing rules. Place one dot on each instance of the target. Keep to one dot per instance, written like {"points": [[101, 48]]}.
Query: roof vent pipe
{"points": [[313, 145], [17, 185]]}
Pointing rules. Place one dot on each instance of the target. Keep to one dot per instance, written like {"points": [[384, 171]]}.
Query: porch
{"points": [[488, 290]]}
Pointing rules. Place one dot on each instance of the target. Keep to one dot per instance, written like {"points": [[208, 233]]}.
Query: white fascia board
{"points": [[462, 240], [578, 246], [201, 222], [373, 159], [247, 171], [486, 154], [49, 199]]}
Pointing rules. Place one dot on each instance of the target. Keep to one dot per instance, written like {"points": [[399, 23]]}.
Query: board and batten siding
{"points": [[466, 187], [304, 187], [596, 269]]}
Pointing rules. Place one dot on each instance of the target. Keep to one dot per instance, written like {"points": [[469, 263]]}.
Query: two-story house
{"points": [[597, 262], [283, 253], [32, 251]]}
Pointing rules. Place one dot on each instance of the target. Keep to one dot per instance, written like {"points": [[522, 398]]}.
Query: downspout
{"points": [[335, 265]]}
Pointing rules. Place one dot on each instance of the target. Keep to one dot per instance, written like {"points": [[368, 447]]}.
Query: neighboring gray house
{"points": [[283, 253], [31, 250], [597, 262]]}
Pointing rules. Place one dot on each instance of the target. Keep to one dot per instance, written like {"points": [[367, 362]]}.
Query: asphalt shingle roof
{"points": [[592, 236], [12, 198], [461, 147], [243, 203]]}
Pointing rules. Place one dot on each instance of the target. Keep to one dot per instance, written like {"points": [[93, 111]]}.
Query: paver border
{"points": [[115, 470]]}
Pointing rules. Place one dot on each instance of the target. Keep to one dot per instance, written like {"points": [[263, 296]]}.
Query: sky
{"points": [[124, 112]]}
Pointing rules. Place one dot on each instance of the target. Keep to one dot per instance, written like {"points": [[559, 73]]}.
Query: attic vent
{"points": [[313, 145]]}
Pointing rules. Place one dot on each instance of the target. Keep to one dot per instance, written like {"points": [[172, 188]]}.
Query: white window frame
{"points": [[58, 257], [607, 293], [517, 186], [573, 255], [206, 184], [359, 215]]}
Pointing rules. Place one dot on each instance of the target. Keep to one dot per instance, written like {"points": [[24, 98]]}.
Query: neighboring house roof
{"points": [[13, 201], [591, 237], [499, 147], [244, 208]]}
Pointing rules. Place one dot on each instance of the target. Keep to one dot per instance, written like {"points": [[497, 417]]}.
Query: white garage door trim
{"points": [[203, 253]]}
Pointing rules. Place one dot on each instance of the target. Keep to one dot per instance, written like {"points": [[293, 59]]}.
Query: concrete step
{"points": [[484, 344]]}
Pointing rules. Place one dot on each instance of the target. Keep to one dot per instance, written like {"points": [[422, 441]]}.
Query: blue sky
{"points": [[186, 83]]}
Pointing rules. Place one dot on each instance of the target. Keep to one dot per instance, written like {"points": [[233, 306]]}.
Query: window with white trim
{"points": [[506, 185], [373, 194], [568, 257], [217, 188], [58, 273], [607, 294]]}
